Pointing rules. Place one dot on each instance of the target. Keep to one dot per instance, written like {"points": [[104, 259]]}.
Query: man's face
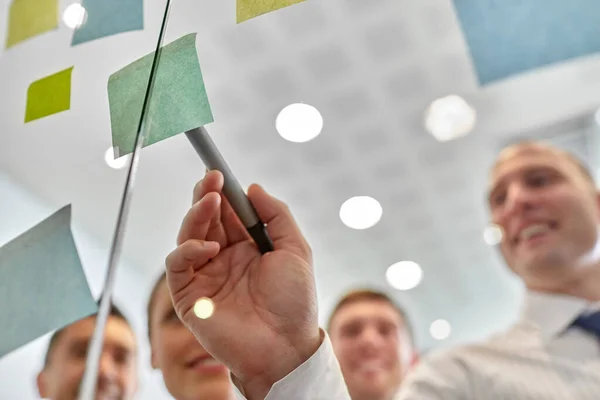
{"points": [[189, 371], [373, 347], [117, 378], [548, 212]]}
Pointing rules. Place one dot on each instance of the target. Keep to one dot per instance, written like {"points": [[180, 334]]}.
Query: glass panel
{"points": [[60, 185]]}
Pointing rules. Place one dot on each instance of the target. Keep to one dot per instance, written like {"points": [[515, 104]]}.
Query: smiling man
{"points": [[64, 365], [548, 207], [373, 343]]}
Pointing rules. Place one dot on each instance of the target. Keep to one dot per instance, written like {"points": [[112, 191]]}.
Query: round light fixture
{"points": [[204, 308], [440, 329], [74, 16], [449, 118], [119, 163], [404, 275], [360, 212], [299, 123], [492, 235]]}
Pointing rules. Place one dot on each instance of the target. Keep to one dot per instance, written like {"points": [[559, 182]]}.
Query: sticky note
{"points": [[49, 95], [248, 9], [179, 101], [29, 18], [109, 17], [509, 37], [42, 283]]}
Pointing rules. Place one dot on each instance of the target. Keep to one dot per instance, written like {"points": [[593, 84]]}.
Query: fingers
{"points": [[182, 264], [281, 226], [191, 255], [224, 226], [199, 219], [212, 182]]}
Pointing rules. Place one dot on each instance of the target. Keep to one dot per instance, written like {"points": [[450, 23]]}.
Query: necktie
{"points": [[590, 323]]}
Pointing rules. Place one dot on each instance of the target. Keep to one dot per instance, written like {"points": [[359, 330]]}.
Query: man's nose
{"points": [[371, 339], [518, 199], [108, 368]]}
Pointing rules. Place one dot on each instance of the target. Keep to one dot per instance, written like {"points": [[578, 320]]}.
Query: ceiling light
{"points": [[299, 123], [449, 118], [440, 329], [492, 234], [360, 212], [118, 163], [74, 16], [204, 308], [404, 275]]}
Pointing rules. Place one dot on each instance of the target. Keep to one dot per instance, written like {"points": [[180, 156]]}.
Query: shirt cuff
{"points": [[318, 378]]}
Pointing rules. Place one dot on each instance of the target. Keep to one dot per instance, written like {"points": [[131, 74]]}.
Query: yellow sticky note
{"points": [[49, 95], [28, 18], [248, 9]]}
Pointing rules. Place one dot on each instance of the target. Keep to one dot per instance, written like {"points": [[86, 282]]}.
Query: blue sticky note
{"points": [[109, 17], [508, 37], [42, 283]]}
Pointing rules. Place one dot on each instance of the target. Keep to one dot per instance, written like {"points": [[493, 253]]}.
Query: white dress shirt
{"points": [[539, 358], [319, 378]]}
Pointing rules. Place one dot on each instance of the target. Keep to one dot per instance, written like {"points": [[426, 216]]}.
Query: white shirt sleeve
{"points": [[318, 378], [441, 377]]}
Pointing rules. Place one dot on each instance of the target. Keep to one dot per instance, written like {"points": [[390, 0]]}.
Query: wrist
{"points": [[258, 386]]}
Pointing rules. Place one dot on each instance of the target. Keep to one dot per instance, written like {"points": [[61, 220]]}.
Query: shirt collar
{"points": [[553, 313]]}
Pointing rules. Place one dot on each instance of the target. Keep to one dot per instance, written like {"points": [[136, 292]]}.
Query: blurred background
{"points": [[390, 194]]}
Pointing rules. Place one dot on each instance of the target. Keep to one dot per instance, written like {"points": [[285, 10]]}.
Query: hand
{"points": [[265, 321]]}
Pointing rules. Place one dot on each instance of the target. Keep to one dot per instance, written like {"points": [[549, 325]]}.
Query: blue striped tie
{"points": [[590, 323]]}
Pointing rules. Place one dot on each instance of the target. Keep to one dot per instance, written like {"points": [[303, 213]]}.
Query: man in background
{"points": [[65, 360], [373, 342], [548, 207]]}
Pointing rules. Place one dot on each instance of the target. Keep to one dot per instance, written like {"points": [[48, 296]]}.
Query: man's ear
{"points": [[42, 384]]}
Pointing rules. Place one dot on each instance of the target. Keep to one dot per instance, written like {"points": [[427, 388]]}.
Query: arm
{"points": [[264, 327], [319, 378]]}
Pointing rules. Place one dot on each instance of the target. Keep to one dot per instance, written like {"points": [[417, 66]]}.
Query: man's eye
{"points": [[539, 180]]}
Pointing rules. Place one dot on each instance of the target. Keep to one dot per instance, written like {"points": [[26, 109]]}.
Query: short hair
{"points": [[572, 158], [113, 312], [152, 300], [367, 295]]}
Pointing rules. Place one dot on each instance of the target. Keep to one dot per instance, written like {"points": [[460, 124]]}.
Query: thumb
{"points": [[281, 225]]}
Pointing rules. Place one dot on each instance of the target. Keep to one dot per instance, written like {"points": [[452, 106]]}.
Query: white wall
{"points": [[19, 211]]}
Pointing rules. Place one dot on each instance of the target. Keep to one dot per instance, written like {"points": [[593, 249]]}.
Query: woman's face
{"points": [[189, 372]]}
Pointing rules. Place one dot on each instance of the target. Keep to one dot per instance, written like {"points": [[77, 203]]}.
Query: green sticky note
{"points": [[28, 18], [179, 101], [42, 283], [248, 9], [49, 95]]}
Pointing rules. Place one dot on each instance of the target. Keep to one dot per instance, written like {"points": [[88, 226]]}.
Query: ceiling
{"points": [[371, 68]]}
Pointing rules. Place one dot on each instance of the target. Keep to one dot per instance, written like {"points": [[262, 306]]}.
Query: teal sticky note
{"points": [[179, 101], [109, 17], [42, 283], [509, 37]]}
